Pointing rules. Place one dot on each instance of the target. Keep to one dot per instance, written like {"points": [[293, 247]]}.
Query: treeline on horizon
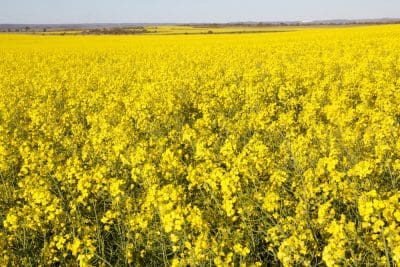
{"points": [[126, 28]]}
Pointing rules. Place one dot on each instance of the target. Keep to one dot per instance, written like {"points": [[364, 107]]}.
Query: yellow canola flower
{"points": [[75, 246]]}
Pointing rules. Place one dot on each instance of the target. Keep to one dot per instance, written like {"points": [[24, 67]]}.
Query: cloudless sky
{"points": [[181, 11]]}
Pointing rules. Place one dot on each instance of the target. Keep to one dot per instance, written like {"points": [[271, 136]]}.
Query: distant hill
{"points": [[358, 21], [322, 22]]}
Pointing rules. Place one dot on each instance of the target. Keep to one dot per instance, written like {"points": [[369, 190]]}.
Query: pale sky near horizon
{"points": [[185, 11]]}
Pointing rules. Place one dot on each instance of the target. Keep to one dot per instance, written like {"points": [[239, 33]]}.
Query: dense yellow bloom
{"points": [[195, 150]]}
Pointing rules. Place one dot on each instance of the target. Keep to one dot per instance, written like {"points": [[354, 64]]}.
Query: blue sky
{"points": [[181, 11]]}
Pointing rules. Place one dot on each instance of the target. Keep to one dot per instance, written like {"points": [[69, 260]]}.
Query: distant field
{"points": [[183, 30], [165, 30], [171, 30]]}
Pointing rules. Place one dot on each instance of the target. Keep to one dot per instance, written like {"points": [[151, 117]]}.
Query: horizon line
{"points": [[206, 22]]}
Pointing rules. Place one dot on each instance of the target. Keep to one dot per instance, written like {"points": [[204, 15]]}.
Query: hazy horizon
{"points": [[190, 11], [199, 22]]}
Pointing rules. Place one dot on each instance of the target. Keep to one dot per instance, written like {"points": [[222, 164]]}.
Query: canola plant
{"points": [[204, 150]]}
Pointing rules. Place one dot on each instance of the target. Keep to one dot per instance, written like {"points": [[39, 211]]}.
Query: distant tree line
{"points": [[117, 31], [275, 24], [25, 29]]}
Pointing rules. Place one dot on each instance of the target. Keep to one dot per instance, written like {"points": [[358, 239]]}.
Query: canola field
{"points": [[275, 149]]}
